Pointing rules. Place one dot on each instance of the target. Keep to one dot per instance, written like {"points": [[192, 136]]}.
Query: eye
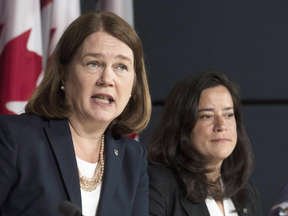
{"points": [[93, 64], [205, 116], [121, 67], [230, 115]]}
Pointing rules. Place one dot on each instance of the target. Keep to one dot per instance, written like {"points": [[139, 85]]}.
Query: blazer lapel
{"points": [[194, 209], [241, 211], [61, 142], [114, 154]]}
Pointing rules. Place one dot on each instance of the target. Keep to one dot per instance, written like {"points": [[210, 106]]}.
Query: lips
{"points": [[107, 99], [220, 140]]}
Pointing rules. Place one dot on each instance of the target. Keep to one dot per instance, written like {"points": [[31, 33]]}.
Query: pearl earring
{"points": [[62, 88]]}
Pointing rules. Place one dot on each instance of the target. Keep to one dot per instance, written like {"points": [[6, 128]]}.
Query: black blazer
{"points": [[38, 170], [166, 199]]}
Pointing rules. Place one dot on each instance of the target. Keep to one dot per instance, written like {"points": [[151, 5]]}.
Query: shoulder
{"points": [[132, 153], [250, 190], [160, 171], [20, 125], [162, 176], [164, 192], [23, 120], [27, 128], [132, 146], [252, 199]]}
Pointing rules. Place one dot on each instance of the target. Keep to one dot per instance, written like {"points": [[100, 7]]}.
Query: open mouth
{"points": [[103, 99]]}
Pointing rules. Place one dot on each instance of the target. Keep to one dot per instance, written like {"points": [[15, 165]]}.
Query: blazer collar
{"points": [[61, 142], [192, 208], [114, 154], [201, 208], [241, 211]]}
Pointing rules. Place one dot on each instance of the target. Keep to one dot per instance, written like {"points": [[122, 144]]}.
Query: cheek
{"points": [[73, 87], [234, 131], [201, 131], [76, 86], [132, 85], [197, 144], [132, 80], [197, 136], [126, 88]]}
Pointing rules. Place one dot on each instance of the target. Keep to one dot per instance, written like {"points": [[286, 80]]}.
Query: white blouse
{"points": [[214, 210], [90, 200]]}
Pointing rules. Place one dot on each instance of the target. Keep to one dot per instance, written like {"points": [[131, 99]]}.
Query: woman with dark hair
{"points": [[200, 157], [70, 143]]}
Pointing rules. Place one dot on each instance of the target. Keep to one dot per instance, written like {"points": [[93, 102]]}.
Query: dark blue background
{"points": [[247, 39]]}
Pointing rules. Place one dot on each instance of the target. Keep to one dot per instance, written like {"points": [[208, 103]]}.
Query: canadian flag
{"points": [[29, 31]]}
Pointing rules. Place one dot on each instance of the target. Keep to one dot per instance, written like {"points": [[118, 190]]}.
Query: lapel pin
{"points": [[116, 152]]}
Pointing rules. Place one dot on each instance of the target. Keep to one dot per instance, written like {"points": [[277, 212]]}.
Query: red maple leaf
{"points": [[19, 71], [44, 3], [133, 136]]}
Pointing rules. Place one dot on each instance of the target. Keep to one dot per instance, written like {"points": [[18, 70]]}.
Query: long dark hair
{"points": [[170, 143]]}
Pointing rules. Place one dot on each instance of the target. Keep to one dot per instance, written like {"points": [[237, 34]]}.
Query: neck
{"points": [[87, 128], [86, 141], [213, 177], [215, 174]]}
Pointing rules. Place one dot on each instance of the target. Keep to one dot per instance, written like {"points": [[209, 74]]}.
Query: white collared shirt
{"points": [[214, 210]]}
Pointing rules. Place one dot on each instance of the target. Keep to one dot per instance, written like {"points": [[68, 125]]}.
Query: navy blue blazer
{"points": [[166, 197], [38, 169]]}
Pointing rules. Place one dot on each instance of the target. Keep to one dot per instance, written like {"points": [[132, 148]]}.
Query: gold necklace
{"points": [[90, 184]]}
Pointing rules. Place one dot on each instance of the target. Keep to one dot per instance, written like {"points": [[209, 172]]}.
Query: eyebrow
{"points": [[124, 58], [99, 55], [212, 109]]}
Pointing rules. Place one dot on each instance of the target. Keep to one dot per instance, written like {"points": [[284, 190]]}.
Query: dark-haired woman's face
{"points": [[215, 134]]}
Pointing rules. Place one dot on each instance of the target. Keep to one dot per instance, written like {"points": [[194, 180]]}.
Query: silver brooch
{"points": [[116, 152]]}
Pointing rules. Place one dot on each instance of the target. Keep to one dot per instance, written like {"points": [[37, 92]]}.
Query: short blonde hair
{"points": [[48, 99]]}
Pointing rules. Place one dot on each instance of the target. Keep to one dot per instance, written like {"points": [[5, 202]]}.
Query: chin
{"points": [[100, 118]]}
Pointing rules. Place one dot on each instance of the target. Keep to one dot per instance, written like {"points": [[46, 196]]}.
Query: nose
{"points": [[106, 77], [220, 124]]}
